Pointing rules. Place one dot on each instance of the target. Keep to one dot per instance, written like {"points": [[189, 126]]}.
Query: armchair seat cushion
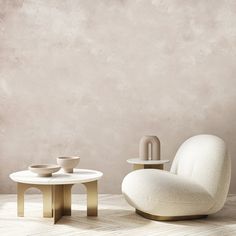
{"points": [[162, 193]]}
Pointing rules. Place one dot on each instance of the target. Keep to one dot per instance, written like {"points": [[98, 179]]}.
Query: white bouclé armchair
{"points": [[196, 186]]}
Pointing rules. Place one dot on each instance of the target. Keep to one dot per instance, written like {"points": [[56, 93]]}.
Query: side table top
{"points": [[78, 176], [146, 162]]}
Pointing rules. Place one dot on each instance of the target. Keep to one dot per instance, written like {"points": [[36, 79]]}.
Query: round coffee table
{"points": [[57, 191]]}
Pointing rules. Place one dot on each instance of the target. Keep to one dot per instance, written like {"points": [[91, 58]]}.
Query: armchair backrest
{"points": [[204, 160]]}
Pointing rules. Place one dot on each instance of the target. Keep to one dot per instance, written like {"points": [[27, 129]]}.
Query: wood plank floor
{"points": [[116, 217]]}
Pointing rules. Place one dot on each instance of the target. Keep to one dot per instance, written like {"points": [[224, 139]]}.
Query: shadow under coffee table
{"points": [[56, 191]]}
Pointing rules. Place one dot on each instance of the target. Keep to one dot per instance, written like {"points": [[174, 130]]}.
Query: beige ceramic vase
{"points": [[144, 144]]}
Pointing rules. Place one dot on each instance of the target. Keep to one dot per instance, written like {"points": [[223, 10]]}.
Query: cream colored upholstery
{"points": [[197, 183]]}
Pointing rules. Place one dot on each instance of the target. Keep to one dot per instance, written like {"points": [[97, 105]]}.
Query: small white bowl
{"points": [[44, 170], [68, 163]]}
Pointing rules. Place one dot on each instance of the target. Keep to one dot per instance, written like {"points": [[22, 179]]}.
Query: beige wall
{"points": [[91, 77]]}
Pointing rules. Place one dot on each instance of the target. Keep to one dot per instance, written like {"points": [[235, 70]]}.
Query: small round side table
{"points": [[147, 164]]}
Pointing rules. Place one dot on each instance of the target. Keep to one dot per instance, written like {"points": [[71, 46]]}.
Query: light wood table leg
{"points": [[57, 199], [92, 198], [58, 202], [67, 199], [20, 199], [47, 200]]}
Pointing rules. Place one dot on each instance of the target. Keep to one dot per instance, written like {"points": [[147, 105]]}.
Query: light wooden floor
{"points": [[116, 217]]}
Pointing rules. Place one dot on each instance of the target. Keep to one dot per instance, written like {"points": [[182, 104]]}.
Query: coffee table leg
{"points": [[47, 200], [20, 199], [92, 198], [58, 202], [67, 199]]}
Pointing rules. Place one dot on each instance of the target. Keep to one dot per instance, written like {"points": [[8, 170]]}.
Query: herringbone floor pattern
{"points": [[116, 217]]}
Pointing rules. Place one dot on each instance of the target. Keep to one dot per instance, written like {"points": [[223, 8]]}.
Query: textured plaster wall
{"points": [[91, 77]]}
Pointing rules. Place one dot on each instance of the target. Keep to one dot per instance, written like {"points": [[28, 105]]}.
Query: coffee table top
{"points": [[78, 176], [138, 161]]}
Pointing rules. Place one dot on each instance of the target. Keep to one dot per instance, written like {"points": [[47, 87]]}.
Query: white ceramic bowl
{"points": [[68, 163], [44, 170]]}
